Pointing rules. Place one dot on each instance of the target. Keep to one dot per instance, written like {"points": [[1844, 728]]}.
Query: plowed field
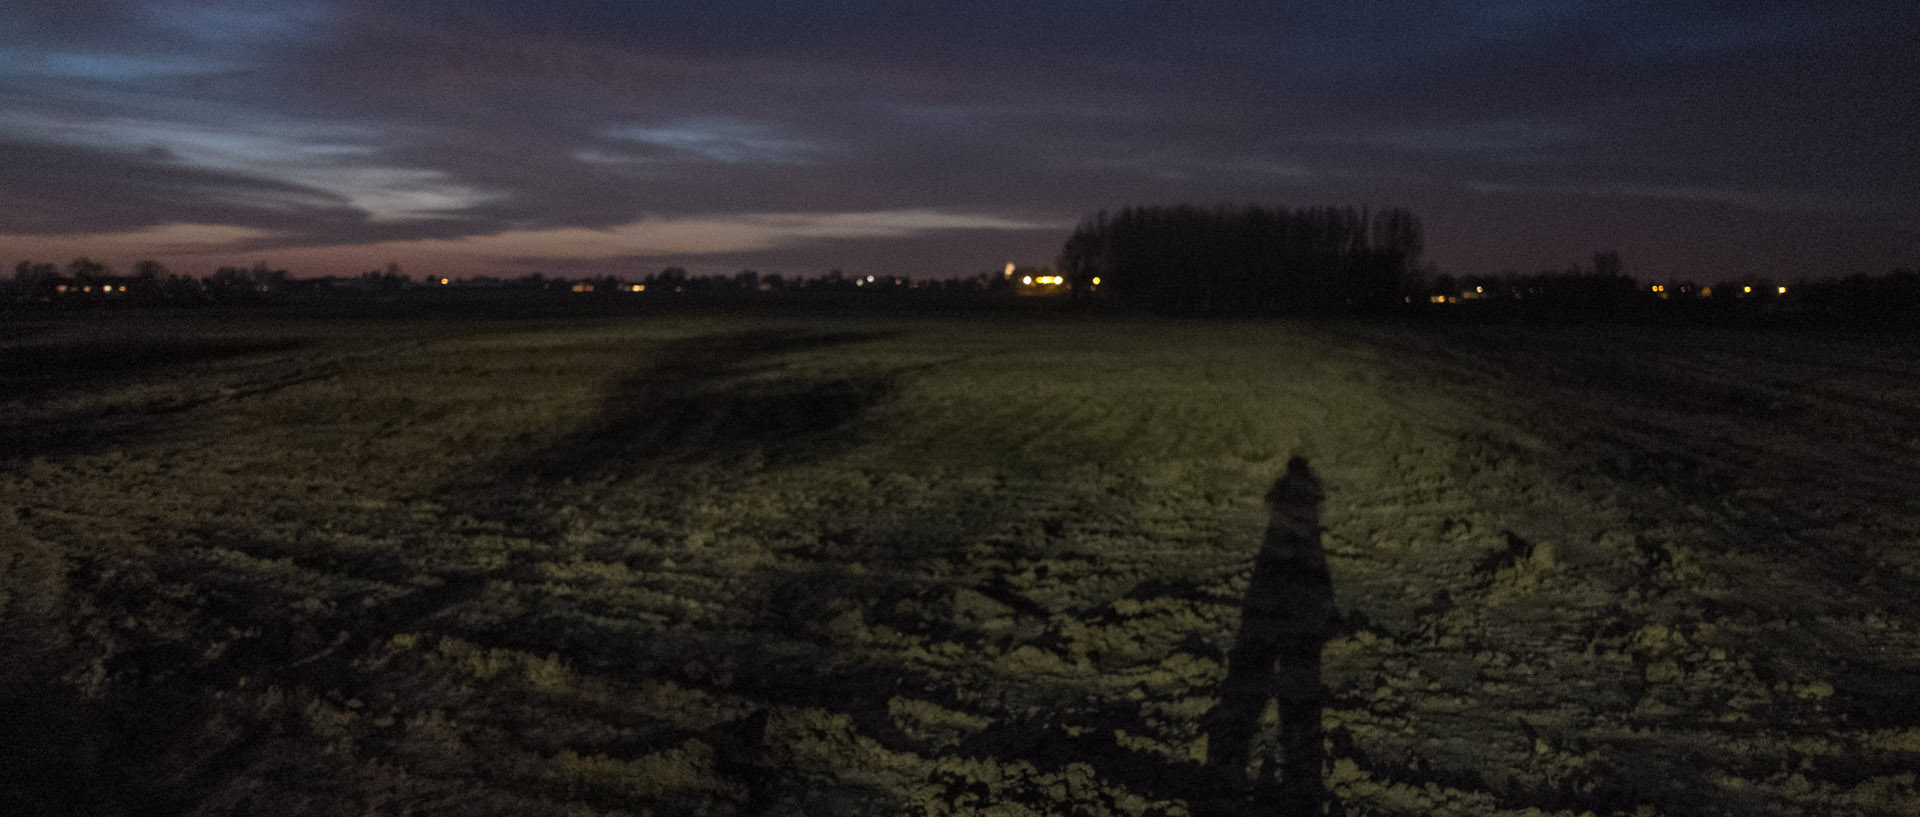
{"points": [[782, 566]]}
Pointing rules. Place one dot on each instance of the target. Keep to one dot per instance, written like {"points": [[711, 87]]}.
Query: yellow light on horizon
{"points": [[1746, 289], [445, 281], [1096, 280], [1783, 290], [1026, 280]]}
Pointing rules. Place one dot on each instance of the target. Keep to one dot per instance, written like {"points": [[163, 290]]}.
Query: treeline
{"points": [[1603, 293], [1246, 260], [1892, 299], [87, 284], [1602, 288], [85, 281]]}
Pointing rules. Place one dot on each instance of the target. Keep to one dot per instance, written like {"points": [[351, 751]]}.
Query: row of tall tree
{"points": [[1246, 260], [85, 280]]}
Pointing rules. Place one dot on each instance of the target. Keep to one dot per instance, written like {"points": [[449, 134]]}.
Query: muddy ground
{"points": [[779, 565]]}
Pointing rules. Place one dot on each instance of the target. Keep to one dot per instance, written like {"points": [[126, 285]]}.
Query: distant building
{"points": [[1030, 281]]}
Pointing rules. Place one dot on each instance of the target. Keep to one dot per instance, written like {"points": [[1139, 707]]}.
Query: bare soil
{"points": [[862, 565]]}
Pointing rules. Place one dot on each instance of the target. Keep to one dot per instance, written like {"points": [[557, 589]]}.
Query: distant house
{"points": [[1035, 280]]}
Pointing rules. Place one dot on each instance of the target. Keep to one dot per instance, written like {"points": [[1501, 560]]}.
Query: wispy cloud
{"points": [[330, 159], [713, 234], [729, 141], [1508, 139], [160, 241], [107, 66], [1762, 199]]}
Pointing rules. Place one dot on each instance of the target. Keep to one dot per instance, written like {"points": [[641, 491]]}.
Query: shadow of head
{"points": [[1298, 492]]}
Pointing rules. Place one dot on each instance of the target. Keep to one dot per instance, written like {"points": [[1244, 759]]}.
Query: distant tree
{"points": [[146, 284], [1247, 259], [35, 282], [183, 289], [834, 280], [86, 270], [1606, 264], [266, 279], [1081, 258]]}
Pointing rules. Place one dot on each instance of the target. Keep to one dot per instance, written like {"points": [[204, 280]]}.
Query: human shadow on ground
{"points": [[1285, 620]]}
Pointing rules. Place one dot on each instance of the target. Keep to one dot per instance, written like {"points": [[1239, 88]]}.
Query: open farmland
{"points": [[780, 565]]}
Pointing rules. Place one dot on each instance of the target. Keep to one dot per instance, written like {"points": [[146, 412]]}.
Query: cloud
{"points": [[159, 241], [109, 67], [267, 164], [721, 139], [1759, 199], [67, 189], [710, 235]]}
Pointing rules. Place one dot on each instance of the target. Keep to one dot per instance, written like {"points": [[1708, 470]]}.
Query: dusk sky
{"points": [[1702, 139]]}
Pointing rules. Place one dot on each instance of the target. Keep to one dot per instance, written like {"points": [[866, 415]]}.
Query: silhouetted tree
{"points": [[1606, 264], [35, 282], [1246, 260], [86, 271], [671, 277]]}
